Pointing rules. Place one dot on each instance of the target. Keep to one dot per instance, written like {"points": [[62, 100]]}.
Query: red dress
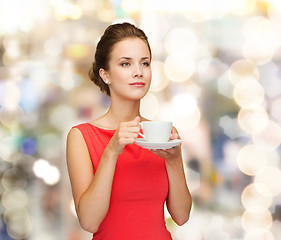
{"points": [[139, 190]]}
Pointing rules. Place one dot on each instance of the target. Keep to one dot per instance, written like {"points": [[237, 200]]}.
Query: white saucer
{"points": [[158, 145]]}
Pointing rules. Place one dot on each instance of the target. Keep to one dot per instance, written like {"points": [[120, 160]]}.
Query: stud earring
{"points": [[107, 82]]}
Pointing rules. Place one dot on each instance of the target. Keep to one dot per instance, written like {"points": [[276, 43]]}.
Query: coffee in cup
{"points": [[156, 131]]}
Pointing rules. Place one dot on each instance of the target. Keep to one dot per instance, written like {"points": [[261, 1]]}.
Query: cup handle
{"points": [[142, 135]]}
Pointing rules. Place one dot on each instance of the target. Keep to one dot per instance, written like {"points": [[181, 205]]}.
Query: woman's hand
{"points": [[126, 133], [173, 154]]}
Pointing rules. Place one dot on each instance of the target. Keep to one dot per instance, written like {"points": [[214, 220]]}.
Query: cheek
{"points": [[149, 75]]}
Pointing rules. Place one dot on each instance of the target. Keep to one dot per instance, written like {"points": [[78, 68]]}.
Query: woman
{"points": [[119, 188]]}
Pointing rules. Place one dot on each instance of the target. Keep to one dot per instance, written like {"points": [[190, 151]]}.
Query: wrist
{"points": [[175, 162], [111, 153]]}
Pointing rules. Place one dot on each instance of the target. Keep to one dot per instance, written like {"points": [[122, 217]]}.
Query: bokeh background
{"points": [[216, 75]]}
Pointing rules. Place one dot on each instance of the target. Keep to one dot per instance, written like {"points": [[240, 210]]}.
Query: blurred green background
{"points": [[216, 75]]}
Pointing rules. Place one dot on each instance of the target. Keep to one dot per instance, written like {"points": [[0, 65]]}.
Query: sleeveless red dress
{"points": [[139, 190]]}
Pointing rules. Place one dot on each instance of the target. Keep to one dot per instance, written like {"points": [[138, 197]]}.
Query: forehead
{"points": [[130, 47]]}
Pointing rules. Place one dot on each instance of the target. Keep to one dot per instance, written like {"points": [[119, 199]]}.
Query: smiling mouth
{"points": [[137, 84]]}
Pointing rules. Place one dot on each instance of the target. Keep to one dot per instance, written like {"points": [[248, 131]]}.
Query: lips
{"points": [[137, 84]]}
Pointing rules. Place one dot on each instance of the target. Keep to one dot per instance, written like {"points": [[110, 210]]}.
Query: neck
{"points": [[122, 112]]}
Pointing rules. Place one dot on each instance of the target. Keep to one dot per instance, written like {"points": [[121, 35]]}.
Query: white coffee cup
{"points": [[156, 131]]}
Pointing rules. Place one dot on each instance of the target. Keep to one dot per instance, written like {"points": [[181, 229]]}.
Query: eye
{"points": [[146, 64], [125, 64]]}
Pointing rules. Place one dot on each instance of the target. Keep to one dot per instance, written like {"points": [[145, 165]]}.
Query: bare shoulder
{"points": [[76, 144], [73, 133]]}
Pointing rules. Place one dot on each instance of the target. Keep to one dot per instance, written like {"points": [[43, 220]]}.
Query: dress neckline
{"points": [[104, 129]]}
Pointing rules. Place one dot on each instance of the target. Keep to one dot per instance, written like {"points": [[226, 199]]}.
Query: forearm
{"points": [[179, 200], [94, 203]]}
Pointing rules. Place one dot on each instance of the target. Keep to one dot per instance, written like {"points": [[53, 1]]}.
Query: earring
{"points": [[107, 82]]}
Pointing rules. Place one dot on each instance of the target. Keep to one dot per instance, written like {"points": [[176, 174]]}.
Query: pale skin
{"points": [[129, 63]]}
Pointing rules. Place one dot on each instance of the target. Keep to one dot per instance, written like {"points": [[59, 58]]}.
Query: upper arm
{"points": [[79, 164]]}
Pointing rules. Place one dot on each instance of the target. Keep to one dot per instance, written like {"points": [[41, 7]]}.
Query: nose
{"points": [[137, 71]]}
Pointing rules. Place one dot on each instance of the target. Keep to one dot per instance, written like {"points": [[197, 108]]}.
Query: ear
{"points": [[104, 76]]}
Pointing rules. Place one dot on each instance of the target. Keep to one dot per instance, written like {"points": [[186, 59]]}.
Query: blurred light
{"points": [[179, 67], [263, 38], [29, 102], [28, 146], [19, 225], [242, 69], [194, 90], [225, 88], [184, 104], [200, 10], [256, 222], [17, 15], [11, 96], [159, 79], [53, 47], [190, 122], [271, 177], [181, 41], [257, 54], [242, 6], [53, 175], [210, 69], [193, 179], [106, 15], [263, 190], [270, 138], [271, 79], [59, 114], [131, 5], [230, 127], [276, 110], [215, 229], [267, 235], [9, 117], [248, 93], [43, 169], [252, 199], [253, 120], [166, 112], [263, 31], [66, 10], [6, 148], [66, 77], [11, 45], [13, 178], [77, 50], [14, 198], [273, 157], [251, 159], [192, 232], [45, 235], [39, 75], [274, 10], [164, 5], [49, 144], [39, 168], [149, 106]]}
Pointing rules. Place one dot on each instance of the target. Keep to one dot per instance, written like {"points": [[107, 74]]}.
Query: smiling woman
{"points": [[120, 188]]}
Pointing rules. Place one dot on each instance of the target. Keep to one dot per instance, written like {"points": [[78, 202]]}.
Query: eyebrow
{"points": [[129, 58]]}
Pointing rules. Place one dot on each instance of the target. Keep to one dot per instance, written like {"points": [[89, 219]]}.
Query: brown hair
{"points": [[112, 35]]}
